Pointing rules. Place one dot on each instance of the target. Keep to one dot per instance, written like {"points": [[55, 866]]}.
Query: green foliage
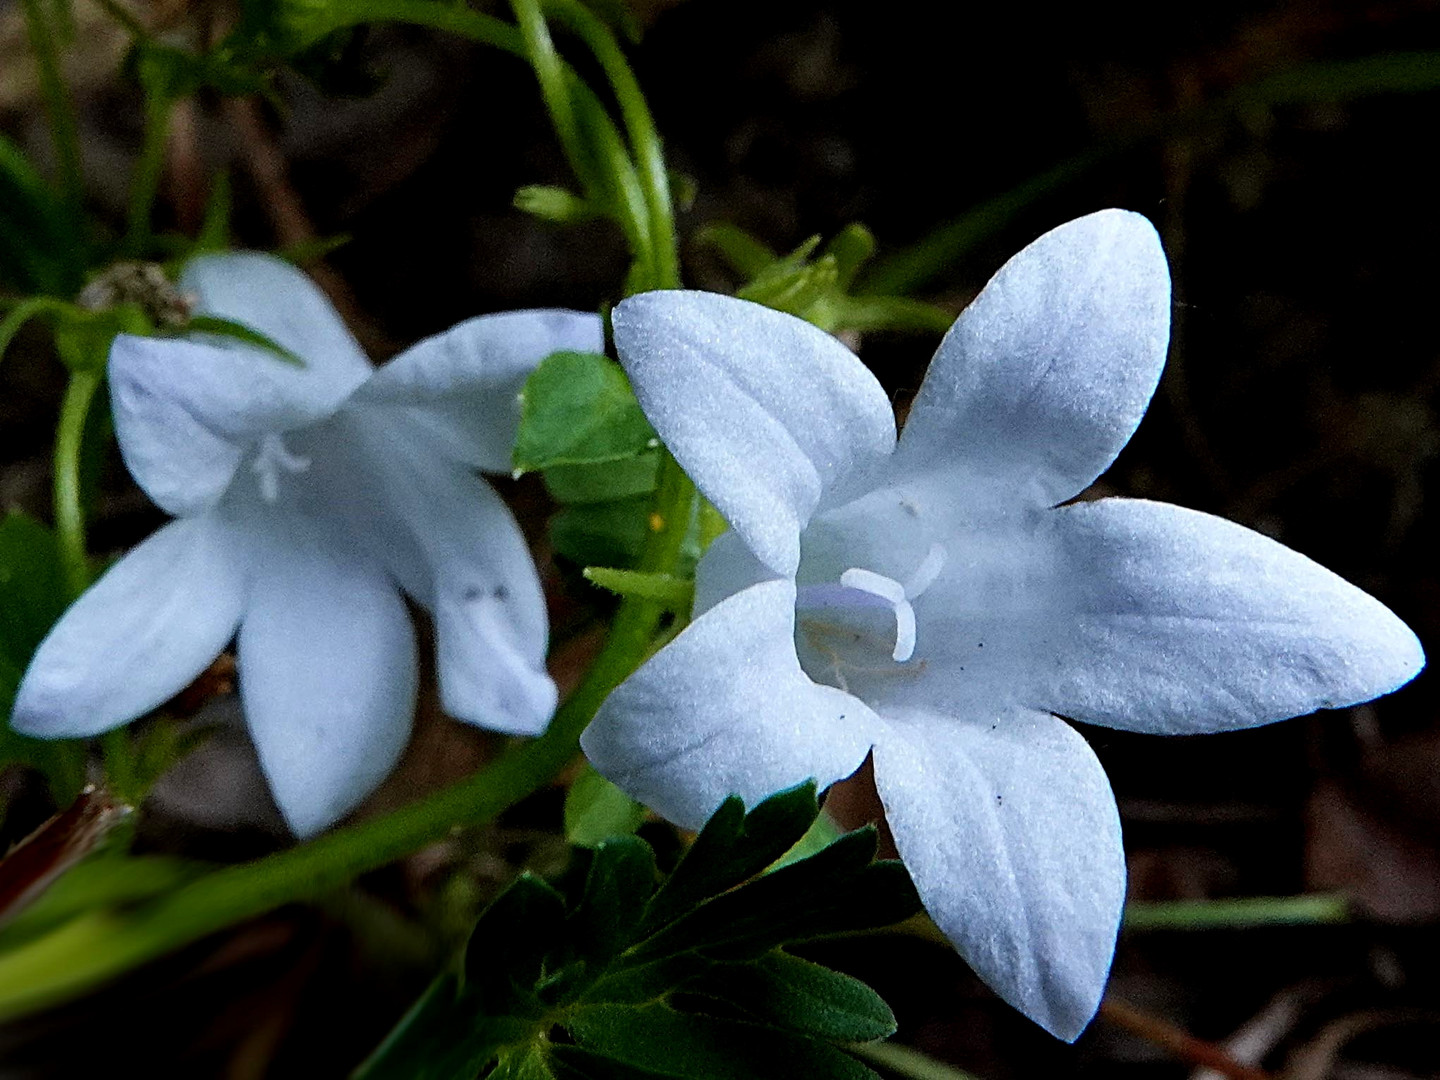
{"points": [[556, 204], [626, 974], [676, 594], [578, 409], [39, 252], [32, 596], [595, 810], [815, 283]]}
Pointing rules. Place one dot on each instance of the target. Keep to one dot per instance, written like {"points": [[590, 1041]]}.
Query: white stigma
{"points": [[271, 458]]}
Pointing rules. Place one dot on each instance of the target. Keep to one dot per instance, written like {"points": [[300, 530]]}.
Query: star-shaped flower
{"points": [[307, 499], [938, 602]]}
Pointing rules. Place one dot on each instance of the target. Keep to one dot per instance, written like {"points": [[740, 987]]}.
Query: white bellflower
{"points": [[939, 603], [307, 499]]}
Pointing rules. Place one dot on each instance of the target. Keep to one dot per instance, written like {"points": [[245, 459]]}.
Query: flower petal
{"points": [[455, 548], [465, 384], [327, 674], [724, 709], [138, 636], [283, 303], [726, 568], [185, 412], [1009, 830], [1046, 375], [729, 384], [1188, 623]]}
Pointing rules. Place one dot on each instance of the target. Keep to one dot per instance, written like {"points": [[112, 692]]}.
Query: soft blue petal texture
{"points": [[186, 412], [464, 385], [1007, 825], [138, 636], [455, 547], [327, 673], [725, 709], [770, 416], [283, 303], [1182, 623], [1045, 376], [726, 568]]}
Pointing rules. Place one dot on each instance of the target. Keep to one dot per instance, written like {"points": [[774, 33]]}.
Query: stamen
{"points": [[926, 573], [271, 457]]}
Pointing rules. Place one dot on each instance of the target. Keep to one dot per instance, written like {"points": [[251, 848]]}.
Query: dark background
{"points": [[1288, 166]]}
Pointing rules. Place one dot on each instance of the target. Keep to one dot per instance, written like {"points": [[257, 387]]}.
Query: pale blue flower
{"points": [[939, 602], [307, 500]]}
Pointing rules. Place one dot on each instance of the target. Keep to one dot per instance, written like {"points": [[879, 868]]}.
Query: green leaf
{"points": [[732, 847], [788, 992], [506, 951], [104, 880], [529, 1063], [693, 1047], [32, 586], [851, 248], [676, 594], [604, 481], [836, 891], [33, 596], [549, 203], [606, 534], [746, 255], [39, 251], [578, 408], [595, 809], [439, 1039], [229, 328], [577, 1063], [621, 879]]}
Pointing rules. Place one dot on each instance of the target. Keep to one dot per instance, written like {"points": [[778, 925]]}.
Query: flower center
{"points": [[848, 621], [272, 457]]}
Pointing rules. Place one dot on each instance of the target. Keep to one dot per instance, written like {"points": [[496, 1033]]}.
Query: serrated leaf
{"points": [[836, 891], [601, 534], [577, 1063], [789, 992], [595, 809], [578, 408], [528, 1063], [506, 950], [440, 1039], [731, 848], [691, 1047], [604, 481], [676, 594], [621, 879]]}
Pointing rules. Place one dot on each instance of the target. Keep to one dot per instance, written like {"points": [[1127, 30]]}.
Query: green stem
{"points": [[602, 165], [69, 506], [1316, 909], [601, 161], [64, 131], [149, 168], [644, 138], [904, 1061], [116, 746], [555, 89]]}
